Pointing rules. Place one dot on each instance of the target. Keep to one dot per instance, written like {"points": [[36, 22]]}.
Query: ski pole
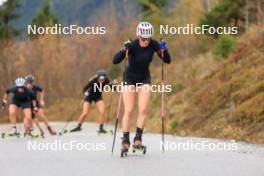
{"points": [[117, 119], [119, 105], [162, 101]]}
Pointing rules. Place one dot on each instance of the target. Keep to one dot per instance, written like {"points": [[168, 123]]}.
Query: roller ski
{"points": [[125, 148], [137, 143], [65, 131], [9, 135], [12, 133], [105, 132], [102, 131], [76, 129], [29, 133], [139, 147]]}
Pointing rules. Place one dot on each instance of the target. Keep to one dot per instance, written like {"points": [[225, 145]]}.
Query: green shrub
{"points": [[224, 47]]}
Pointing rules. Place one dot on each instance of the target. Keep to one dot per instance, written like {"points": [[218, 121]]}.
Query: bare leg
{"points": [[28, 119], [143, 104], [13, 109], [86, 107], [129, 101], [43, 116], [101, 108]]}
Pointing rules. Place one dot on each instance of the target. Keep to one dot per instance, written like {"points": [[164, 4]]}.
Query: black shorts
{"points": [[21, 104], [129, 80], [94, 99]]}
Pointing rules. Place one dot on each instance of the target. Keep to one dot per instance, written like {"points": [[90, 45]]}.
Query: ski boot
{"points": [[125, 147], [138, 146], [51, 131], [78, 128], [102, 131]]}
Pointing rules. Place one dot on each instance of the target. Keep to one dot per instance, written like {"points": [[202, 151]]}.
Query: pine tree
{"points": [[44, 18], [225, 13], [151, 6], [8, 14]]}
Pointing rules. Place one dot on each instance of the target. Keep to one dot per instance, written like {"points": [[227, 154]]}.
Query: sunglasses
{"points": [[144, 39]]}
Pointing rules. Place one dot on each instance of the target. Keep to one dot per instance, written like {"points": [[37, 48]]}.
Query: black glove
{"points": [[127, 44]]}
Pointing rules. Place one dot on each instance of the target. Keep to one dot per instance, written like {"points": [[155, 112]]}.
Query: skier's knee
{"points": [[143, 112], [12, 114], [128, 112]]}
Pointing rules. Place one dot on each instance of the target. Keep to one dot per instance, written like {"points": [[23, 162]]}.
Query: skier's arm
{"points": [[5, 97], [42, 95], [162, 52], [34, 101], [89, 85], [119, 57], [122, 53], [4, 101]]}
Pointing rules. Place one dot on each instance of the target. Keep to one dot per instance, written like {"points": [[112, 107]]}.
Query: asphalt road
{"points": [[87, 154]]}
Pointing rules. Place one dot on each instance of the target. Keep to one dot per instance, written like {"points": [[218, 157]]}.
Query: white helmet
{"points": [[145, 30], [20, 82]]}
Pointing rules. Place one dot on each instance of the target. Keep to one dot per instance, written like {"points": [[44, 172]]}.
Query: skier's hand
{"points": [[42, 103], [86, 93], [163, 44], [35, 109], [4, 103], [126, 45]]}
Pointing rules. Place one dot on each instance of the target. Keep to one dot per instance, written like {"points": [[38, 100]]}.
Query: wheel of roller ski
{"points": [[123, 152]]}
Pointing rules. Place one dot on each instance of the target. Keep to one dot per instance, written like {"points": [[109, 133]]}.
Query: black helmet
{"points": [[101, 74], [30, 78]]}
